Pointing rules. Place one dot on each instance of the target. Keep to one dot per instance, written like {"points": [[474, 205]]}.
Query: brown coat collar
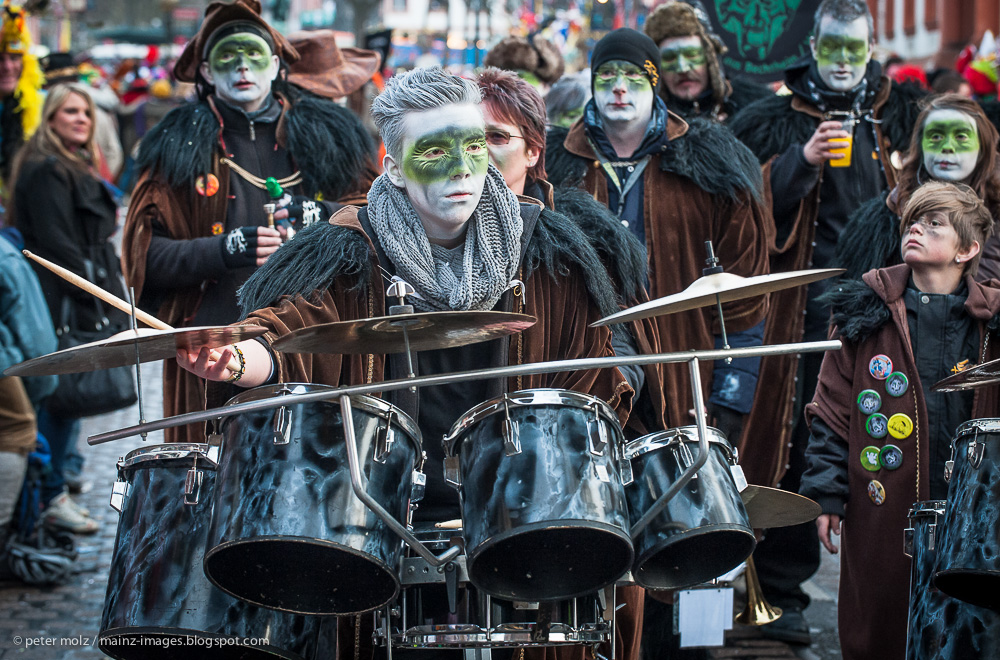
{"points": [[577, 143], [983, 301]]}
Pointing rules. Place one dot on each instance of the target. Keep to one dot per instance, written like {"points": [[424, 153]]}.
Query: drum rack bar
{"points": [[358, 485], [580, 364]]}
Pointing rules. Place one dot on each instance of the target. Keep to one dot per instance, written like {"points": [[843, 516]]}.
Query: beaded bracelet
{"points": [[243, 366]]}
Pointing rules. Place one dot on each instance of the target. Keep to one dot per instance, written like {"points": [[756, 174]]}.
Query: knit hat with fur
{"points": [[629, 46], [539, 57], [679, 19]]}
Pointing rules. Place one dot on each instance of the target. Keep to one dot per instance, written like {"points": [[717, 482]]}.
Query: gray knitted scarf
{"points": [[492, 247]]}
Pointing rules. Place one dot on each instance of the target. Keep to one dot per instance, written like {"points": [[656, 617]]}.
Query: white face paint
{"points": [[950, 145], [842, 52], [622, 93], [241, 67]]}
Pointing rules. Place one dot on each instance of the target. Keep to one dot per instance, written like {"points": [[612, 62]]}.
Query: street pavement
{"points": [[62, 622]]}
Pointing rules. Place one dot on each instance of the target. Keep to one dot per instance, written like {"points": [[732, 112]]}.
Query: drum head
{"points": [[306, 576], [551, 561], [694, 557]]}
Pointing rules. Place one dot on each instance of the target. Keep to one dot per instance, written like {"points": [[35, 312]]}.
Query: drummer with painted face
{"points": [[442, 219]]}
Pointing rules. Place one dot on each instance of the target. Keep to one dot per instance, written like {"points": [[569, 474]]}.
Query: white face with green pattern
{"points": [[241, 67], [842, 51], [950, 145]]}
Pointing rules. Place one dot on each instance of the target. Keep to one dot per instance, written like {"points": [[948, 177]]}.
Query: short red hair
{"points": [[518, 103]]}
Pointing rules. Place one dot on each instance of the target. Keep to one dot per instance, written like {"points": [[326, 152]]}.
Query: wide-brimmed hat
{"points": [[327, 70], [218, 14]]}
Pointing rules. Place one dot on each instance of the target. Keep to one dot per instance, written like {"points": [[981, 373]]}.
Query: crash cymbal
{"points": [[772, 507], [427, 331], [119, 350], [726, 286], [987, 373]]}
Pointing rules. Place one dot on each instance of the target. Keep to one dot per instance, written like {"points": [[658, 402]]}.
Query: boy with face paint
{"points": [[694, 81], [925, 315], [794, 137], [953, 140], [196, 227], [442, 219]]}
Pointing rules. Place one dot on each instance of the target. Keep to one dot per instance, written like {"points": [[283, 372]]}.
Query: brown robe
{"points": [[765, 446], [875, 574]]}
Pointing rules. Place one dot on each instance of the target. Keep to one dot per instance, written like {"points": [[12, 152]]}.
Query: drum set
{"points": [[299, 507]]}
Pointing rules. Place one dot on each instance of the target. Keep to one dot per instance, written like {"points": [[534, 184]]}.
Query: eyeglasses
{"points": [[499, 138]]}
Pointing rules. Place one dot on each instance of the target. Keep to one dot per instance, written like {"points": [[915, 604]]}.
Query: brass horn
{"points": [[758, 611]]}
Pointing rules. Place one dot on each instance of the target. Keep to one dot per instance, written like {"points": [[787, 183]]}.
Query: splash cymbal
{"points": [[384, 334], [724, 286], [987, 373], [772, 507], [120, 349]]}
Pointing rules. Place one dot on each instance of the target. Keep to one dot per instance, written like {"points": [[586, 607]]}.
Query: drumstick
{"points": [[112, 299], [449, 524]]}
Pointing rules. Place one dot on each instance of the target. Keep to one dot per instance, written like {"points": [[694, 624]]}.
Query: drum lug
{"points": [[976, 449], [625, 467], [949, 467], [192, 485], [510, 431], [418, 485], [282, 426], [739, 477], [599, 440], [452, 471], [214, 446], [383, 440], [931, 536], [908, 541], [118, 493]]}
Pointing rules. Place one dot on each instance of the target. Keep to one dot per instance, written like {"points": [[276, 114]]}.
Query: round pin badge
{"points": [[877, 425], [876, 492], [870, 458], [207, 185], [880, 367], [890, 457], [897, 383], [900, 426], [869, 402]]}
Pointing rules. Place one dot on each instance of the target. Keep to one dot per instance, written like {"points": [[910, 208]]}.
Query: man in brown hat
{"points": [[196, 227], [694, 81]]}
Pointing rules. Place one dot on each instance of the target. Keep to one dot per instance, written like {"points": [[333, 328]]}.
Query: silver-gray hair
{"points": [[845, 11], [415, 91]]}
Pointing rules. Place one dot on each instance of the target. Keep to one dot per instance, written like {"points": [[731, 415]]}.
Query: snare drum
{"points": [[423, 616], [941, 627], [288, 531], [969, 557], [158, 596], [542, 501], [704, 531]]}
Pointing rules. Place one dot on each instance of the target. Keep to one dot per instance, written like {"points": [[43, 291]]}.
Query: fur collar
{"points": [[328, 143], [870, 240]]}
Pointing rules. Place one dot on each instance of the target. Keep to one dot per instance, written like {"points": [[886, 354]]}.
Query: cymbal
{"points": [[987, 373], [772, 507], [726, 286], [384, 334], [119, 350]]}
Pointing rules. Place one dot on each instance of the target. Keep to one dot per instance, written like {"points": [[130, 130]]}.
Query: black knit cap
{"points": [[630, 46]]}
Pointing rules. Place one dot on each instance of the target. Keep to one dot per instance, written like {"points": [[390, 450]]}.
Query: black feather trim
{"points": [[618, 248], [769, 126], [561, 167], [870, 240], [330, 145], [307, 265], [717, 162], [181, 145], [857, 310], [899, 114]]}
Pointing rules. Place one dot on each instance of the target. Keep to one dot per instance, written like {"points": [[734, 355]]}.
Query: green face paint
{"points": [[833, 49], [567, 119], [240, 49], [957, 135], [608, 74], [681, 59], [950, 145], [441, 155]]}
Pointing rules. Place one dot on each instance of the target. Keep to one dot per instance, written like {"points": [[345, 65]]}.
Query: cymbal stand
{"points": [[138, 364], [713, 267], [399, 290], [358, 485]]}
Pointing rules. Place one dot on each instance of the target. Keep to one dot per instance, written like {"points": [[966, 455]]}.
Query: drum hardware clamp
{"points": [[384, 439], [600, 444], [282, 431], [976, 450], [358, 485], [711, 268], [510, 430], [399, 289]]}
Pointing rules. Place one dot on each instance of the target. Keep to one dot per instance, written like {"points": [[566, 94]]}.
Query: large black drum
{"points": [[159, 604], [288, 531], [969, 557], [941, 627], [543, 505], [704, 531], [425, 616]]}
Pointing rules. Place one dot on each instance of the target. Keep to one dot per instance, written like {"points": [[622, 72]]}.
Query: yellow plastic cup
{"points": [[846, 150]]}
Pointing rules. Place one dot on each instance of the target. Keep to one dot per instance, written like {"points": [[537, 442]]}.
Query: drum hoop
{"points": [[985, 425], [675, 436], [180, 452], [525, 399], [924, 508], [368, 404]]}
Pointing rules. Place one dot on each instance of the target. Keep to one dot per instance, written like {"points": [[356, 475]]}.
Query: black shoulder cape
{"points": [[870, 240]]}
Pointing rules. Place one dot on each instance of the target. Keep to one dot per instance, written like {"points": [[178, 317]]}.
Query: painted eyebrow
{"points": [[436, 139]]}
